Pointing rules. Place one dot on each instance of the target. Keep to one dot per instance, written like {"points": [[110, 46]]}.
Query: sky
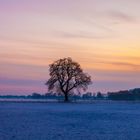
{"points": [[101, 35]]}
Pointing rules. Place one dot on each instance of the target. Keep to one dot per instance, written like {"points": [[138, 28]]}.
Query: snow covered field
{"points": [[77, 121]]}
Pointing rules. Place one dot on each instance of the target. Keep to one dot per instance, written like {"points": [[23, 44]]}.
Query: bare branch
{"points": [[67, 75]]}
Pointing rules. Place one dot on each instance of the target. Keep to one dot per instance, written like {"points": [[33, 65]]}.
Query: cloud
{"points": [[17, 81], [90, 20], [120, 16], [135, 66], [80, 34]]}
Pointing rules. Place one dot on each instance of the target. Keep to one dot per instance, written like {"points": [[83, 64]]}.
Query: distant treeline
{"points": [[133, 94], [85, 96], [88, 95]]}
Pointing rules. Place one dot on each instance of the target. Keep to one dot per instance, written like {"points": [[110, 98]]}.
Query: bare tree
{"points": [[66, 76]]}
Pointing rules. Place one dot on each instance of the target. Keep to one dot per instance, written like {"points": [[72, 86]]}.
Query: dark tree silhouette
{"points": [[99, 95], [66, 76]]}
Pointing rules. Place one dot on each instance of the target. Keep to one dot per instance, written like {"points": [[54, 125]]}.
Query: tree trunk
{"points": [[66, 97]]}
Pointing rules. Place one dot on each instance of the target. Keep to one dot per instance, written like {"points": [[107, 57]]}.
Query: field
{"points": [[72, 121]]}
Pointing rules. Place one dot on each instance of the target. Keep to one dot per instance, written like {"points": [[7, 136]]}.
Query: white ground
{"points": [[60, 121]]}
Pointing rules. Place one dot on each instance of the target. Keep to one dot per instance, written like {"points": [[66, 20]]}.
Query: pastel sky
{"points": [[102, 35]]}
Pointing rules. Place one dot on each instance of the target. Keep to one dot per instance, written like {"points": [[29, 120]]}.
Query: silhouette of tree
{"points": [[36, 95], [66, 76], [99, 95]]}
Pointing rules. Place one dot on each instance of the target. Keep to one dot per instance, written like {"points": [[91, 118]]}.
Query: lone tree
{"points": [[66, 76]]}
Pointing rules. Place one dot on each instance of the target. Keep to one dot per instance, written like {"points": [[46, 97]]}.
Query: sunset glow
{"points": [[103, 36]]}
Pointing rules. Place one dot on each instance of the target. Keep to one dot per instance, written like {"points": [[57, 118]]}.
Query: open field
{"points": [[72, 121]]}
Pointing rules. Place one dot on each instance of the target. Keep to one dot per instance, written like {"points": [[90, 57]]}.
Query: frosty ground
{"points": [[72, 121]]}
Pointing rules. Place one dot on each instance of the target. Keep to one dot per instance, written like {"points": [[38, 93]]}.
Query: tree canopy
{"points": [[66, 76]]}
